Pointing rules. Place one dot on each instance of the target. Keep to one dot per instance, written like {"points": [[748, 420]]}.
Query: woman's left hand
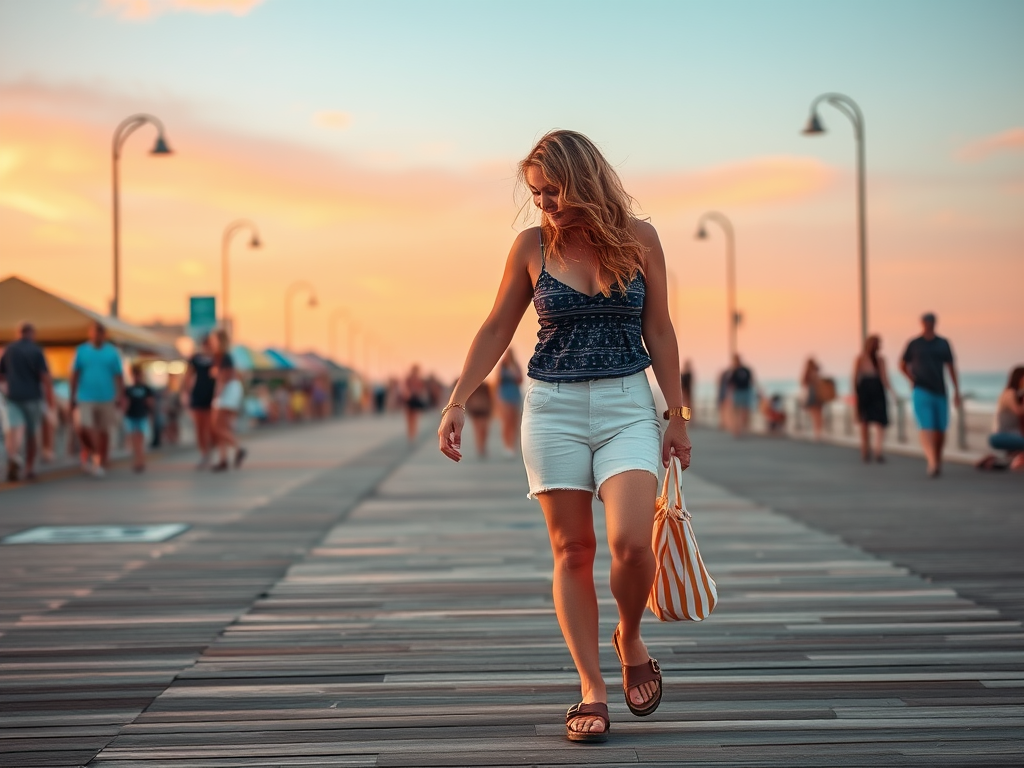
{"points": [[676, 443]]}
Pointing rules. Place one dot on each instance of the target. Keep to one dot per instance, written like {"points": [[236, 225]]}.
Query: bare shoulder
{"points": [[646, 233], [526, 248]]}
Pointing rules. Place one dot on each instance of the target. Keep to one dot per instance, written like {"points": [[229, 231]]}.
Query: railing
{"points": [[969, 428]]}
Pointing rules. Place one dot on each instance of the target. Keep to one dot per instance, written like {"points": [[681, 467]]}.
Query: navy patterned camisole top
{"points": [[581, 337]]}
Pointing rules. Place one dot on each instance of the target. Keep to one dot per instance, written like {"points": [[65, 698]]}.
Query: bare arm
{"points": [[883, 373], [660, 339], [906, 371], [956, 383], [853, 378], [493, 338]]}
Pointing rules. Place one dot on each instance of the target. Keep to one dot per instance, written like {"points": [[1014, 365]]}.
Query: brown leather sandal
{"points": [[637, 675], [597, 709]]}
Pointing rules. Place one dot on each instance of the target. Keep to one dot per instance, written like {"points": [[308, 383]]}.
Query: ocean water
{"points": [[981, 387]]}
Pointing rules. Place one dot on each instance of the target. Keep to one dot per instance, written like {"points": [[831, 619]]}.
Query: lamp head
{"points": [[312, 300], [161, 148], [702, 234], [255, 242], [813, 126]]}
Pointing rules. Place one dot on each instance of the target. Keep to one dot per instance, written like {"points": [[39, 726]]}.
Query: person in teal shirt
{"points": [[97, 386]]}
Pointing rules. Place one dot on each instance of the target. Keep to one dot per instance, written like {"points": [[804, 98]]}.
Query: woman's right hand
{"points": [[450, 433]]}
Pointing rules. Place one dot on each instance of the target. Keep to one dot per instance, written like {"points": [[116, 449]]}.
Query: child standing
{"points": [[140, 399]]}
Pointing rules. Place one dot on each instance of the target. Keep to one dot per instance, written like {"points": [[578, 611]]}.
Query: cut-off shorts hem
{"points": [[577, 435]]}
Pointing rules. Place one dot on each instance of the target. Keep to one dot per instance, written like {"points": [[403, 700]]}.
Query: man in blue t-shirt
{"points": [[925, 362], [97, 386]]}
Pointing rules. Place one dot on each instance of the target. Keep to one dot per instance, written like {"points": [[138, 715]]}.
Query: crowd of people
{"points": [[927, 363]]}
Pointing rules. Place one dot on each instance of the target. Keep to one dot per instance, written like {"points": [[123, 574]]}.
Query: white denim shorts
{"points": [[577, 435]]}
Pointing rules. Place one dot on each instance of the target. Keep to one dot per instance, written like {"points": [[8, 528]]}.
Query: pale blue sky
{"points": [[674, 84]]}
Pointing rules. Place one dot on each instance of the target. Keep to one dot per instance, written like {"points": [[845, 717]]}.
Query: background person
{"points": [[594, 272], [480, 409], [140, 401], [741, 396], [686, 382], [924, 362], [198, 387], [97, 386], [1009, 417], [869, 385], [227, 402], [416, 401], [26, 382], [810, 383], [510, 399]]}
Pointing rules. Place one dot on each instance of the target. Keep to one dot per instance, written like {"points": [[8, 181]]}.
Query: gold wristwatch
{"points": [[682, 412]]}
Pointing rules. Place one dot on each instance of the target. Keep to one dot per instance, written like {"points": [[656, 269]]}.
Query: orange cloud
{"points": [[1011, 140], [139, 10], [756, 181], [332, 119]]}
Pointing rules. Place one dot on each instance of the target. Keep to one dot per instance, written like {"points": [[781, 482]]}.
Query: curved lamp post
{"points": [[225, 244], [849, 107], [121, 133], [294, 288], [332, 337], [730, 269]]}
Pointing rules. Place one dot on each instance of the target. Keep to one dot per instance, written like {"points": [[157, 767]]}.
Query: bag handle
{"points": [[674, 475]]}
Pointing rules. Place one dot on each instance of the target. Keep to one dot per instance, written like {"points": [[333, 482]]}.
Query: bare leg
{"points": [[939, 443], [570, 524], [879, 441], [224, 433], [102, 438], [481, 426], [629, 511], [412, 417], [138, 450], [30, 451], [928, 443], [865, 443]]}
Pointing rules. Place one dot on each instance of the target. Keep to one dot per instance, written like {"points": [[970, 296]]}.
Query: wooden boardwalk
{"points": [[346, 601]]}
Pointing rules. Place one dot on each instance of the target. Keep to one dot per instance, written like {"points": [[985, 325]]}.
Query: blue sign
{"points": [[202, 312]]}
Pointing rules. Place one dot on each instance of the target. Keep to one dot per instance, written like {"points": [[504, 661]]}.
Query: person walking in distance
{"points": [[227, 402], [686, 383], [510, 399], [596, 275], [925, 362], [97, 386], [870, 383], [416, 401], [198, 387], [741, 396], [480, 407], [139, 403], [810, 385], [26, 381]]}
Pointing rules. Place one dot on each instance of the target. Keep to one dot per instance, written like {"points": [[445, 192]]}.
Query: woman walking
{"points": [[416, 401], [596, 276], [227, 402], [870, 383], [199, 386], [510, 377], [811, 384]]}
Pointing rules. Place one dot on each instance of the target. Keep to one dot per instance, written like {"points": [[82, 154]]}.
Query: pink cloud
{"points": [[139, 10], [1011, 140], [755, 181]]}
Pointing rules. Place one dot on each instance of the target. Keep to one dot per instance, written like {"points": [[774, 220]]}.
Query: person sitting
{"points": [[1009, 417]]}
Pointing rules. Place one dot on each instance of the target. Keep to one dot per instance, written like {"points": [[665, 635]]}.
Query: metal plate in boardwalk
{"points": [[97, 534]]}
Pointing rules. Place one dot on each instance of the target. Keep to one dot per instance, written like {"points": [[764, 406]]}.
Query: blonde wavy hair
{"points": [[591, 188]]}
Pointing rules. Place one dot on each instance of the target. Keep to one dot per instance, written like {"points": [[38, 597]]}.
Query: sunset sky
{"points": [[374, 144]]}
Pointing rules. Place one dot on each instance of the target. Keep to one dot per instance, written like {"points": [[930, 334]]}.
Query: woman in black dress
{"points": [[870, 383]]}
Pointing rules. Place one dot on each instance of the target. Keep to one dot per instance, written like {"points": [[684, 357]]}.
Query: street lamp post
{"points": [[849, 107], [730, 269], [294, 288], [121, 133], [225, 244]]}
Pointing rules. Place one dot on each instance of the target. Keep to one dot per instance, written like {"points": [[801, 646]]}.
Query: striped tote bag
{"points": [[683, 589]]}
